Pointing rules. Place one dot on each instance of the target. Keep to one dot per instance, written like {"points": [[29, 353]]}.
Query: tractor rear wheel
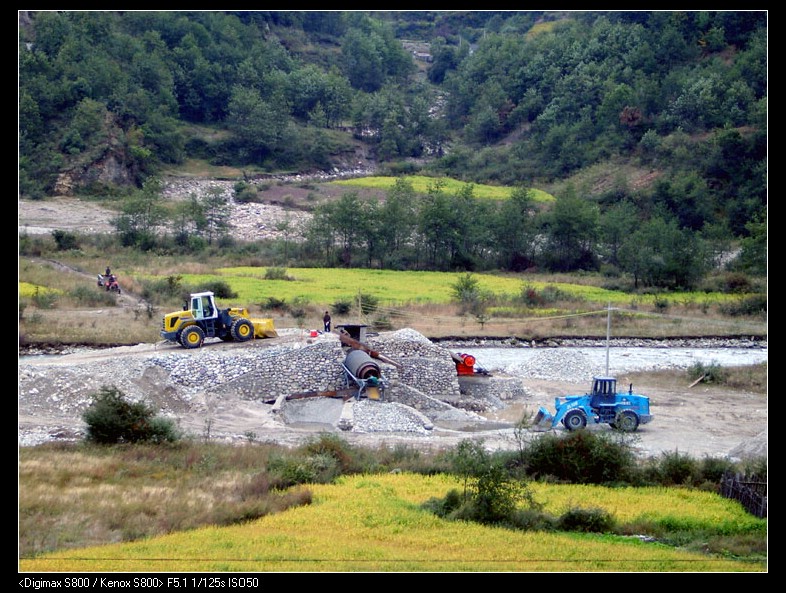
{"points": [[575, 420], [626, 421], [242, 330], [192, 337]]}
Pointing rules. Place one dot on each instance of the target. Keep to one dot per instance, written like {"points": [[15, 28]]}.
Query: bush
{"points": [[277, 274], [112, 419], [752, 305], [65, 240], [341, 307], [593, 520], [677, 469], [711, 373], [368, 303], [581, 457], [275, 304], [221, 289]]}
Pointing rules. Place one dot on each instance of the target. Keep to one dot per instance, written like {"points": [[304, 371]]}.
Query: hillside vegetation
{"points": [[648, 128]]}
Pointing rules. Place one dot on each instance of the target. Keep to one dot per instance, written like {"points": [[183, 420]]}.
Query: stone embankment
{"points": [[425, 390]]}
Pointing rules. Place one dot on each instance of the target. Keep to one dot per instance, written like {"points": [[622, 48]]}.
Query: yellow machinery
{"points": [[201, 318]]}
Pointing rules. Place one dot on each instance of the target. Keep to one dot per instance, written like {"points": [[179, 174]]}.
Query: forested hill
{"points": [[106, 99]]}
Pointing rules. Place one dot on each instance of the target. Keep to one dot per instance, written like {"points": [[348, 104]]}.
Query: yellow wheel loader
{"points": [[201, 318]]}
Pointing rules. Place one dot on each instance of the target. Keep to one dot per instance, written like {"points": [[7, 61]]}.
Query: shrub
{"points": [[64, 240], [677, 468], [113, 419], [582, 457], [294, 469], [368, 303], [277, 274], [91, 296], [341, 307], [752, 305], [594, 520], [274, 303], [221, 289], [44, 299], [711, 373]]}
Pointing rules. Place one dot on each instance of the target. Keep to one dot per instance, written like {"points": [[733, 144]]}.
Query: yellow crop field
{"points": [[376, 523], [422, 184]]}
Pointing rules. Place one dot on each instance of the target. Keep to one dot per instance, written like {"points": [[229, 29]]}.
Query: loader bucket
{"points": [[542, 418], [263, 328]]}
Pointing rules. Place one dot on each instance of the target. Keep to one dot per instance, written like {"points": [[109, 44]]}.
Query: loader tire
{"points": [[192, 337], [626, 421], [242, 330], [575, 420]]}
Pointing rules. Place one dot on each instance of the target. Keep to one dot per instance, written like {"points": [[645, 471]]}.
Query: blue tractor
{"points": [[603, 405]]}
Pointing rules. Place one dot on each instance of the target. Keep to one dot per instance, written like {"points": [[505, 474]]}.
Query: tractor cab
{"points": [[203, 306]]}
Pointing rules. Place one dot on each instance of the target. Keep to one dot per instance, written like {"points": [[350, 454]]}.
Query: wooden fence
{"points": [[749, 490]]}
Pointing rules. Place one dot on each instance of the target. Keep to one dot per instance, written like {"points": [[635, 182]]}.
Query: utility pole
{"points": [[608, 336]]}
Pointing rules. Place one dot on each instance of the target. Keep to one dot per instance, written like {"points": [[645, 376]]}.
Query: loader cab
{"points": [[604, 388], [203, 306]]}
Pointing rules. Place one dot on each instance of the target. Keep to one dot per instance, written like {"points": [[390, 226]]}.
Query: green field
{"points": [[395, 288], [376, 523], [422, 184]]}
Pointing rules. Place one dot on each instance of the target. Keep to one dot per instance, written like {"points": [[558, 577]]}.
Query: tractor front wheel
{"points": [[242, 330], [626, 421], [192, 337], [575, 420]]}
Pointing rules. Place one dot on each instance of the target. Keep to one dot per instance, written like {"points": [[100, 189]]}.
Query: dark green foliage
{"points": [[683, 94], [277, 274], [221, 289], [491, 492], [368, 303], [274, 303], [341, 307], [593, 520], [65, 240], [581, 457], [111, 418], [751, 305], [708, 373], [677, 468]]}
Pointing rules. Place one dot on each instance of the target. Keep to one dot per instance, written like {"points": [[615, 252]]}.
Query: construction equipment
{"points": [[201, 318], [467, 365], [351, 342], [360, 369], [603, 405]]}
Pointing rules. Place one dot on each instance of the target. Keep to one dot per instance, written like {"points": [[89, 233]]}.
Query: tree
{"points": [[215, 209], [616, 224], [661, 254], [111, 418], [397, 221], [142, 213], [514, 230], [571, 230], [259, 124]]}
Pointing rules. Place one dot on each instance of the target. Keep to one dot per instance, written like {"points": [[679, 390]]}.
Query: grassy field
{"points": [[422, 184], [67, 306], [376, 523]]}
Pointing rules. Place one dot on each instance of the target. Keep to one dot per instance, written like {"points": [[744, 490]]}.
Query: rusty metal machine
{"points": [[363, 371]]}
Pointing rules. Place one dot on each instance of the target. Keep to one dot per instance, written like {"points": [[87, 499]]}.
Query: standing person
{"points": [[326, 320]]}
